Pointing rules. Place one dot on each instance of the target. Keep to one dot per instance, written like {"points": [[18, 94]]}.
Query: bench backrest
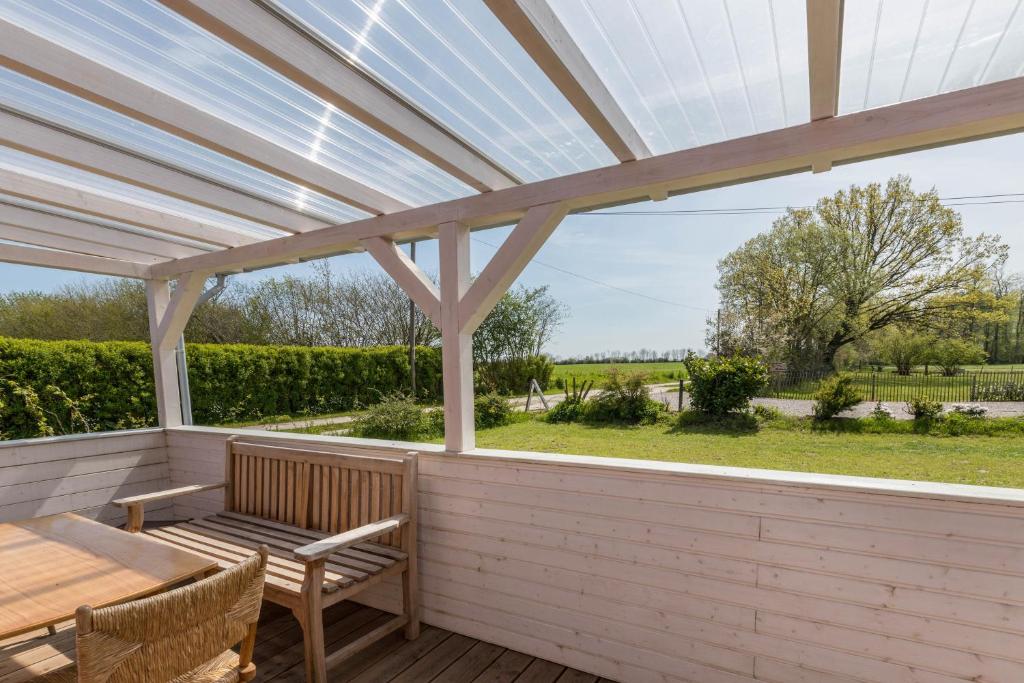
{"points": [[319, 489]]}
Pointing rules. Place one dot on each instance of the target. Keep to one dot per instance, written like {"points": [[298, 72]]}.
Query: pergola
{"points": [[174, 140]]}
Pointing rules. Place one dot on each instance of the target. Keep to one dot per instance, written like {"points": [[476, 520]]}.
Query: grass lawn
{"points": [[983, 460], [656, 372]]}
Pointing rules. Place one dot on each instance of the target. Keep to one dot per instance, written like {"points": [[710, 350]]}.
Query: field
{"points": [[656, 372], [982, 460]]}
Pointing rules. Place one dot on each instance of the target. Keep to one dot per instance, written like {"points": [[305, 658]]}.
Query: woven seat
{"points": [[182, 636]]}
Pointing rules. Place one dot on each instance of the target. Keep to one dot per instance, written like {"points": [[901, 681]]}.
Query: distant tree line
{"points": [[870, 275], [638, 356]]}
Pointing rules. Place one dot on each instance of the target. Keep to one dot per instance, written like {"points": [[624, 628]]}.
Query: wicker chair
{"points": [[182, 636]]}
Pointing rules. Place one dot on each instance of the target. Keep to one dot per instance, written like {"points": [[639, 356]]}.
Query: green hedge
{"points": [[112, 382]]}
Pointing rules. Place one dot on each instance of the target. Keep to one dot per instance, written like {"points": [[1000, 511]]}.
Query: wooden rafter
{"points": [[63, 260], [534, 24], [80, 151], [270, 37], [42, 59], [982, 111], [101, 205], [48, 240], [824, 51], [62, 226]]}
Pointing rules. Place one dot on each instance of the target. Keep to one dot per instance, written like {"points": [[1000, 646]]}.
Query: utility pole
{"points": [[412, 330]]}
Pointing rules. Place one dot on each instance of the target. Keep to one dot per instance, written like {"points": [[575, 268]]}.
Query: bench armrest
{"points": [[318, 550], [135, 504]]}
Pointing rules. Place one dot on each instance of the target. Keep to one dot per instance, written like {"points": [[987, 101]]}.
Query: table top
{"points": [[49, 566]]}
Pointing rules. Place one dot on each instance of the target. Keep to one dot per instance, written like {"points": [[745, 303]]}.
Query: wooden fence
{"points": [[889, 386]]}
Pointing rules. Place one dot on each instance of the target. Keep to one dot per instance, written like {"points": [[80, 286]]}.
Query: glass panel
{"points": [[907, 49], [44, 102], [693, 72], [36, 167], [454, 60], [153, 44]]}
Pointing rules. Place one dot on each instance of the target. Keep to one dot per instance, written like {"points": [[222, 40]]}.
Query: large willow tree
{"points": [[860, 261]]}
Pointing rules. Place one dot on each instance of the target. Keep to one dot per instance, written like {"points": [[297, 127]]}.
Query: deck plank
{"points": [[437, 655]]}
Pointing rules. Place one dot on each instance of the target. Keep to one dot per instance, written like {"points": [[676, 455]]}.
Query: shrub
{"points": [[834, 395], [396, 417], [766, 413], [950, 354], [1000, 391], [723, 385], [569, 410], [882, 411], [970, 410], [625, 398], [512, 376], [492, 410], [923, 408]]}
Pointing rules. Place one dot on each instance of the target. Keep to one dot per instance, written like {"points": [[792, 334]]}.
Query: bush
{"points": [[569, 410], [834, 395], [882, 411], [951, 354], [512, 376], [723, 385], [492, 410], [110, 384], [923, 408], [766, 413], [1000, 391], [396, 416], [625, 398], [970, 410]]}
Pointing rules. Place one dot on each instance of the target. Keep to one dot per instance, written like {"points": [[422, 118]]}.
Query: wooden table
{"points": [[49, 566]]}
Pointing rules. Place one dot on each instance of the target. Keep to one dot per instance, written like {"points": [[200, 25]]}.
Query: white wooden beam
{"points": [[103, 204], [168, 314], [272, 38], [44, 60], [456, 345], [537, 28], [36, 238], [505, 266], [50, 223], [75, 149], [824, 52], [408, 275], [983, 111], [63, 260]]}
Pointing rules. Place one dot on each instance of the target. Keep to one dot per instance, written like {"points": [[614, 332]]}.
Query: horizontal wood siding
{"points": [[641, 574], [82, 473]]}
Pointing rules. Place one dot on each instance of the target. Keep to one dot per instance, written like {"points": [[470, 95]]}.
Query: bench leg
{"points": [[312, 620], [410, 604]]}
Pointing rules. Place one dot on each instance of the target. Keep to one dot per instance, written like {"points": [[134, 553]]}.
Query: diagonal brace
{"points": [[408, 276]]}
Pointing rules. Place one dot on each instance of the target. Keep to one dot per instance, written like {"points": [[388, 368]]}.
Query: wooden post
{"points": [[456, 345], [165, 369]]}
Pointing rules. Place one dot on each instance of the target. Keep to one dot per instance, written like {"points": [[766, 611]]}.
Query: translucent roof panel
{"points": [[67, 176], [693, 72], [149, 42], [454, 60], [899, 50], [28, 96]]}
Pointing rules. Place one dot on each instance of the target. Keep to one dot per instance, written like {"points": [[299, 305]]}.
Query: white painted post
{"points": [[165, 369], [456, 345]]}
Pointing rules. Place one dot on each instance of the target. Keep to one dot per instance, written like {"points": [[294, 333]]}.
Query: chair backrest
{"points": [[159, 638], [319, 489]]}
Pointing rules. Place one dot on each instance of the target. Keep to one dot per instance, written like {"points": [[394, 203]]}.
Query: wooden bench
{"points": [[335, 525]]}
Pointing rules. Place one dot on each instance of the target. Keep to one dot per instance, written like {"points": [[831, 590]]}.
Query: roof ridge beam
{"points": [[66, 260], [824, 54], [100, 204], [44, 60], [281, 44], [959, 116], [63, 226], [537, 28], [51, 141]]}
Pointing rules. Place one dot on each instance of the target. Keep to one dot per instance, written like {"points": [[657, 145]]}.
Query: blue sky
{"points": [[674, 258]]}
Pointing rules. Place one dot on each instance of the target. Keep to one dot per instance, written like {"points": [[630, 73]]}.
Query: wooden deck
{"points": [[437, 655]]}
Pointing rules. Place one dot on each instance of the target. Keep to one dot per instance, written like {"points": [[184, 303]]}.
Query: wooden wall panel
{"points": [[663, 572], [82, 473]]}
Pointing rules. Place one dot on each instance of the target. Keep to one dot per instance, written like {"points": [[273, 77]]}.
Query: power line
{"points": [[770, 210], [604, 284]]}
